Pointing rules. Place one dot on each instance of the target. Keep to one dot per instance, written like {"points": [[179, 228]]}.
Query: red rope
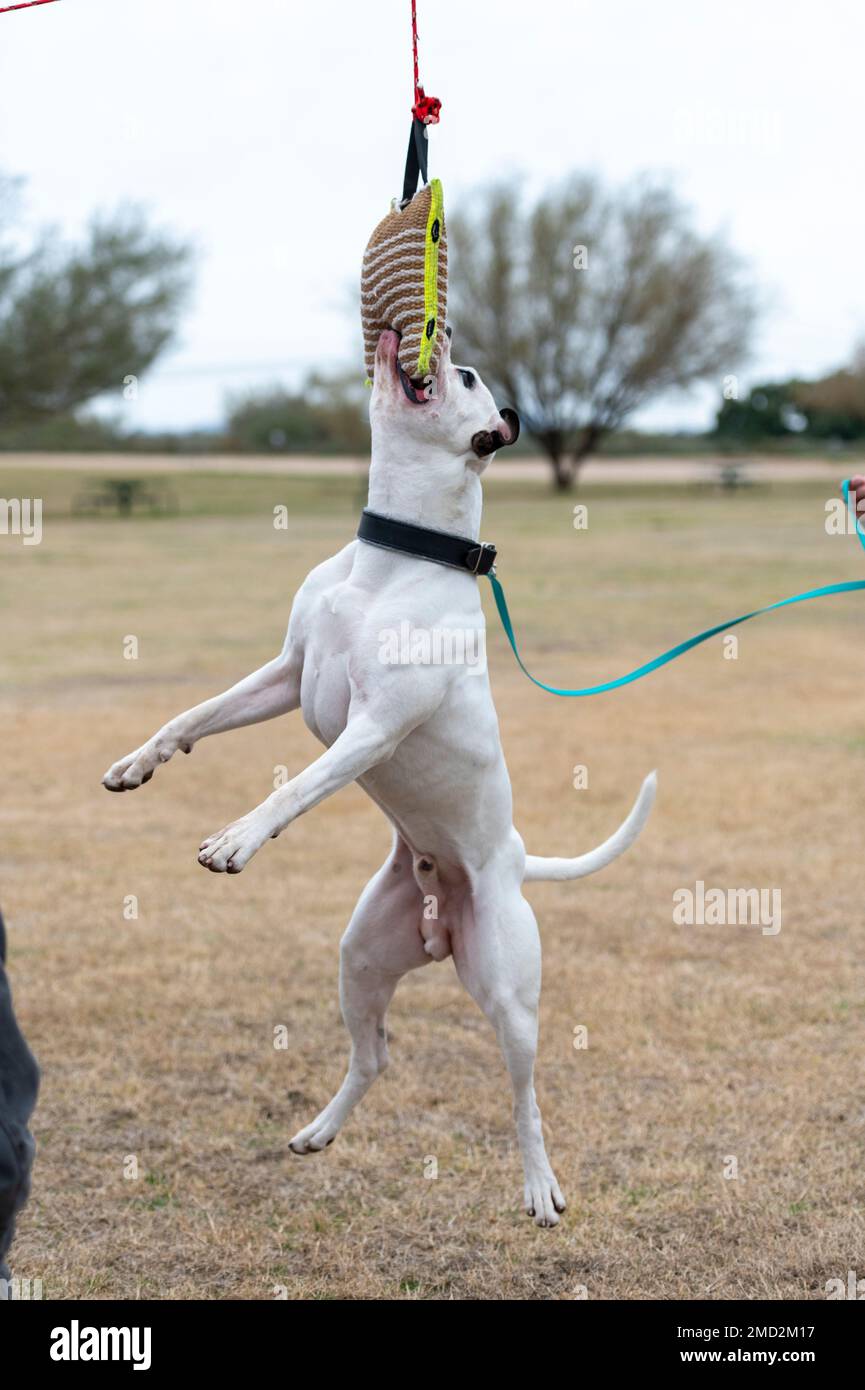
{"points": [[414, 44], [426, 109], [27, 6]]}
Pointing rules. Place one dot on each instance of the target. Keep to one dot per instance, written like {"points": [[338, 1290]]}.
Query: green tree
{"points": [[832, 407], [591, 303], [76, 320], [329, 415], [769, 411]]}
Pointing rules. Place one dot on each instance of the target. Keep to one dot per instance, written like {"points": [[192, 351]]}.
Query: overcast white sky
{"points": [[273, 132]]}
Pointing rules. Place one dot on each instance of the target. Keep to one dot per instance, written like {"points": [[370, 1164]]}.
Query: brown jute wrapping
{"points": [[404, 283]]}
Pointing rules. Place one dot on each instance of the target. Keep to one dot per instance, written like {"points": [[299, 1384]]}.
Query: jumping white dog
{"points": [[422, 739]]}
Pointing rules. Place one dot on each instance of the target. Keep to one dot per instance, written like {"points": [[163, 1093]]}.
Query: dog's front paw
{"points": [[231, 849], [138, 767]]}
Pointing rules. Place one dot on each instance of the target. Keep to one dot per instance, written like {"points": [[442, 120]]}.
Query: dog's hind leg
{"points": [[497, 953], [382, 943]]}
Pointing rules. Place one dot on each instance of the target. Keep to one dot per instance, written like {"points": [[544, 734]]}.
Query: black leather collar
{"points": [[478, 557]]}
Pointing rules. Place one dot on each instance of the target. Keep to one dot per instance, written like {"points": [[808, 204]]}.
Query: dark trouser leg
{"points": [[19, 1082]]}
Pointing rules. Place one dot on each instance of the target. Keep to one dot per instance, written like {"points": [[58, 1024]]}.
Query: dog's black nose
{"points": [[488, 441]]}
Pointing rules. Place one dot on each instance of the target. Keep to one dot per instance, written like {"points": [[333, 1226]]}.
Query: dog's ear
{"points": [[404, 283]]}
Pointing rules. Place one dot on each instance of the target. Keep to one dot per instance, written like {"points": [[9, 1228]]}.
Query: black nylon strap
{"points": [[461, 553], [417, 159]]}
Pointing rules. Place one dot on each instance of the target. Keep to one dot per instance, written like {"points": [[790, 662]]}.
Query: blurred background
{"points": [[183, 211], [656, 229]]}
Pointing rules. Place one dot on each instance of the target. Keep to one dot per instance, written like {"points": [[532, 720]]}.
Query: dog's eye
{"points": [[468, 378]]}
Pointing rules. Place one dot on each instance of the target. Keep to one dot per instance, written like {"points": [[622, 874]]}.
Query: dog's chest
{"points": [[331, 624]]}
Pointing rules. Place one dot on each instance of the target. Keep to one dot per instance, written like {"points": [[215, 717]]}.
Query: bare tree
{"points": [[74, 321], [589, 304]]}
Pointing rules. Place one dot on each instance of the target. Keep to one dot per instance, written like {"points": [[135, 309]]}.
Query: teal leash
{"points": [[823, 592]]}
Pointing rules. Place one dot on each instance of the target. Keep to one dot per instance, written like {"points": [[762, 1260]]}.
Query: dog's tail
{"points": [[561, 869]]}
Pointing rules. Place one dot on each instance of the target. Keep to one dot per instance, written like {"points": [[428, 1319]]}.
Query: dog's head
{"points": [[452, 411]]}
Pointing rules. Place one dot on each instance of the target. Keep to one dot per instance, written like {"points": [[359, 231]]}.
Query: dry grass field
{"points": [[156, 1035]]}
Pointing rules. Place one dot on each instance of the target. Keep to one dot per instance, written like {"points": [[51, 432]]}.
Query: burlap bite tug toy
{"points": [[404, 283]]}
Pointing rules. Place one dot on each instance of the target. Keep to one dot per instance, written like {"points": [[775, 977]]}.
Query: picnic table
{"points": [[124, 495]]}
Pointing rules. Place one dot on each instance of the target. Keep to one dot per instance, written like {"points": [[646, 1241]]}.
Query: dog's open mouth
{"points": [[415, 390]]}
